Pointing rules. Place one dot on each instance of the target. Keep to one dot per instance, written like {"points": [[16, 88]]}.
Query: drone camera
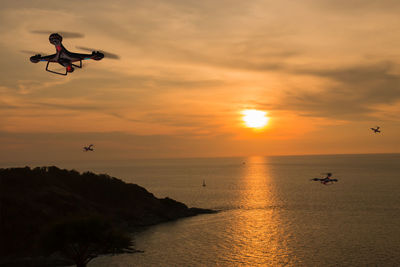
{"points": [[70, 69]]}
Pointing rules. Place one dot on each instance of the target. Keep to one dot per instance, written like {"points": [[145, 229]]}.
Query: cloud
{"points": [[359, 5], [351, 93], [24, 147], [192, 122]]}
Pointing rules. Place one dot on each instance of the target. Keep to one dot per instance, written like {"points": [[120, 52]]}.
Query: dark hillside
{"points": [[32, 199]]}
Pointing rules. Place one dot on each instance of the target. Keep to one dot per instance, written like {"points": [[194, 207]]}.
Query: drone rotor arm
{"points": [[98, 55], [38, 57]]}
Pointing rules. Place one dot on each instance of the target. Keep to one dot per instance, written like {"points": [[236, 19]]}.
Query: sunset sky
{"points": [[324, 72]]}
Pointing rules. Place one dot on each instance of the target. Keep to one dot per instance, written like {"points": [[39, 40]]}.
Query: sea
{"points": [[270, 212]]}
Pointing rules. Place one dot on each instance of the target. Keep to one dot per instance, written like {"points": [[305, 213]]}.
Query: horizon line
{"points": [[197, 157]]}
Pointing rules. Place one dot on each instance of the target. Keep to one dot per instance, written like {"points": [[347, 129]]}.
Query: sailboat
{"points": [[204, 182]]}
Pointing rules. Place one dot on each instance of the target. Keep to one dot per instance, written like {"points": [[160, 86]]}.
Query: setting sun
{"points": [[255, 118]]}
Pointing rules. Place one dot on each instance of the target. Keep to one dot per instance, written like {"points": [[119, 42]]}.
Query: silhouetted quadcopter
{"points": [[88, 148], [325, 180], [376, 130], [65, 57]]}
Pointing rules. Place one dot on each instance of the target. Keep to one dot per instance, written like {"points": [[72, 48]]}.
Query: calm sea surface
{"points": [[271, 213]]}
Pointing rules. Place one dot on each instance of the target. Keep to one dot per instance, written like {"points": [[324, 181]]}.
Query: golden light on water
{"points": [[254, 118], [258, 234]]}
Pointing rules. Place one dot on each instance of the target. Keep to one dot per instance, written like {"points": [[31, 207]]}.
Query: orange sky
{"points": [[325, 71]]}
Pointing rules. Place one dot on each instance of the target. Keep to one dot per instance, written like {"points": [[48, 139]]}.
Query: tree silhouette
{"points": [[83, 239]]}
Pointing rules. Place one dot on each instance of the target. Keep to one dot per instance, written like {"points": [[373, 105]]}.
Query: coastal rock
{"points": [[31, 199]]}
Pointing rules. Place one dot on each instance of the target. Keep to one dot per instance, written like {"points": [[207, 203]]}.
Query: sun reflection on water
{"points": [[257, 232]]}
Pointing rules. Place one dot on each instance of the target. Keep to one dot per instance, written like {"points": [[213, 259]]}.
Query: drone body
{"points": [[88, 148], [376, 130], [64, 57], [327, 180]]}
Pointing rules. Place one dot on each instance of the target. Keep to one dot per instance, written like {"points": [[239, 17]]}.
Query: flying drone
{"points": [[88, 148], [326, 180], [376, 130], [64, 57]]}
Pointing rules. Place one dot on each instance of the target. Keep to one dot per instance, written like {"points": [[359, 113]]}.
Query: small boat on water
{"points": [[204, 183]]}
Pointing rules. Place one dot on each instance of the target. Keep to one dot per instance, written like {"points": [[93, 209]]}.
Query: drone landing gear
{"points": [[80, 64], [55, 72], [68, 68]]}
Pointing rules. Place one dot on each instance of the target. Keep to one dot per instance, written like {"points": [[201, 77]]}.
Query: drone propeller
{"points": [[63, 34], [33, 52], [106, 54]]}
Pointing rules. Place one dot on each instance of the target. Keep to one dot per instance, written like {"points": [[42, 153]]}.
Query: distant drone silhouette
{"points": [[326, 180], [376, 130], [88, 148]]}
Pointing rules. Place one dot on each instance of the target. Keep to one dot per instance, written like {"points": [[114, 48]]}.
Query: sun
{"points": [[254, 118]]}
